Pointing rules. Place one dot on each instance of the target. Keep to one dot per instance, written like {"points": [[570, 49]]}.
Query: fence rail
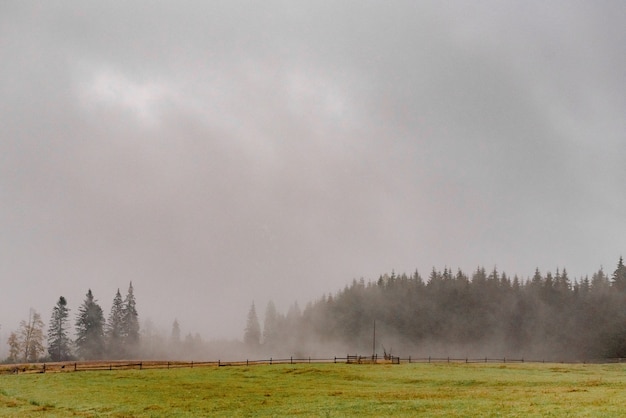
{"points": [[465, 360], [79, 366]]}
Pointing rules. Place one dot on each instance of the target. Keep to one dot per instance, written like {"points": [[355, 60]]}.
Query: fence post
{"points": [[409, 359], [309, 359], [429, 359], [74, 366], [192, 364], [141, 365], [110, 367], [291, 360]]}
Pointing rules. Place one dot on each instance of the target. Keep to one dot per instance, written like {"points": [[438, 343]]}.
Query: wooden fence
{"points": [[465, 360], [80, 366], [356, 359]]}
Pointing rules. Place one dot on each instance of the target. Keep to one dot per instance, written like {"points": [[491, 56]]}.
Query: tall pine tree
{"points": [[619, 276], [115, 328], [175, 335], [130, 322], [252, 335], [59, 344], [90, 329], [270, 326]]}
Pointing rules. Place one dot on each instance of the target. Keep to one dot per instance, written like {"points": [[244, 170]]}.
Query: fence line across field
{"points": [[78, 366]]}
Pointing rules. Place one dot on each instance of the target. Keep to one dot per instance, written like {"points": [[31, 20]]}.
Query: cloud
{"points": [[108, 88], [224, 152]]}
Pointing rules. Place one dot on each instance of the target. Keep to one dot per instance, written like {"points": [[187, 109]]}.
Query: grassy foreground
{"points": [[323, 390]]}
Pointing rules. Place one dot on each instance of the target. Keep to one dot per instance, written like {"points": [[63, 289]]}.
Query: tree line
{"points": [[95, 337], [547, 316], [486, 313]]}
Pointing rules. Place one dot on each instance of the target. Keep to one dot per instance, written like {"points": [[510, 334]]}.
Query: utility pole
{"points": [[374, 341]]}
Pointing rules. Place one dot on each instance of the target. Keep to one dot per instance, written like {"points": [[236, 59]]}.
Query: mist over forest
{"points": [[446, 314], [220, 154], [484, 314]]}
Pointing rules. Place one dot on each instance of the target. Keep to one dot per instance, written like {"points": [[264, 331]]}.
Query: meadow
{"points": [[323, 390]]}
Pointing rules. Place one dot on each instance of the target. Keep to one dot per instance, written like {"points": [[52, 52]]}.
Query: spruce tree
{"points": [[619, 276], [130, 322], [90, 329], [252, 336], [270, 325], [600, 282], [175, 335], [114, 327], [59, 344]]}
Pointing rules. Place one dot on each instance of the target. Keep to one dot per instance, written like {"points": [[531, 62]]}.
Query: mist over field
{"points": [[446, 315], [219, 154]]}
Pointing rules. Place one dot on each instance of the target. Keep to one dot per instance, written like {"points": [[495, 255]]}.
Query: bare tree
{"points": [[30, 338], [14, 347]]}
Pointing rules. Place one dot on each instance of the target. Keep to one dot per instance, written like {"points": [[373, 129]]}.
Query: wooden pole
{"points": [[374, 341]]}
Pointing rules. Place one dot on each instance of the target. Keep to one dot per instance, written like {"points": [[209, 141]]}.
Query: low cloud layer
{"points": [[221, 153]]}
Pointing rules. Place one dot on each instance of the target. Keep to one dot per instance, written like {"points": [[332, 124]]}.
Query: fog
{"points": [[222, 153]]}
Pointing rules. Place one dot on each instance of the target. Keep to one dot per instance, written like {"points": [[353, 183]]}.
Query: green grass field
{"points": [[323, 390]]}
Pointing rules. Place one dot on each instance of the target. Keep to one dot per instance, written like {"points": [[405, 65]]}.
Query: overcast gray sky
{"points": [[222, 152]]}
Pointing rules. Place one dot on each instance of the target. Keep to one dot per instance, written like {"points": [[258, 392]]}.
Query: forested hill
{"points": [[548, 316]]}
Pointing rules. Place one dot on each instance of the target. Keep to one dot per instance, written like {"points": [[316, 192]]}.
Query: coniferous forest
{"points": [[487, 313], [91, 337], [483, 314]]}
